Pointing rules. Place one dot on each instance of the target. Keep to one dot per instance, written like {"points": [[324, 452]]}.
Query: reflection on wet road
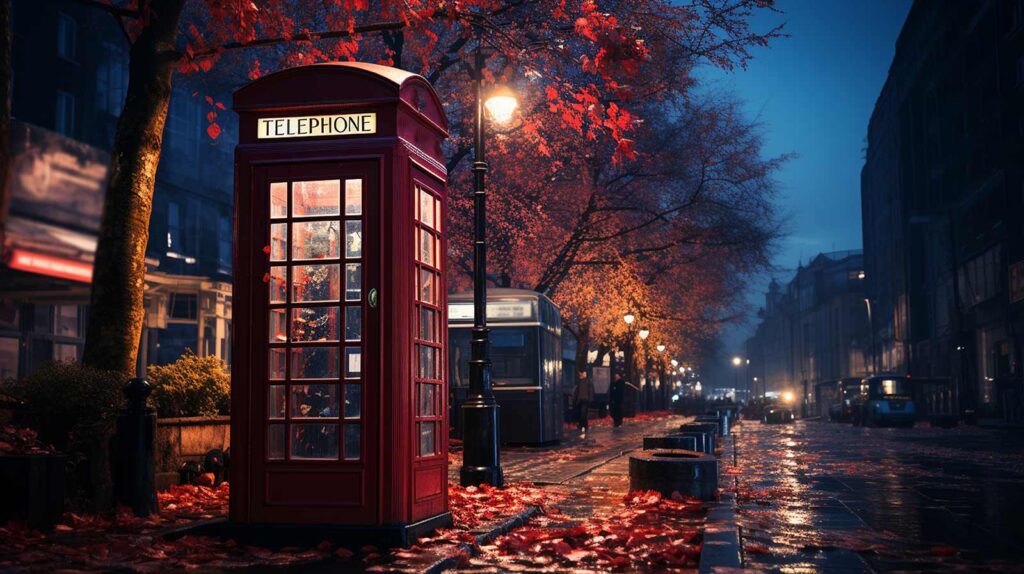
{"points": [[817, 496]]}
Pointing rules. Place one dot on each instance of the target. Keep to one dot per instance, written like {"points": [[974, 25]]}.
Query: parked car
{"points": [[884, 400], [842, 409], [775, 415]]}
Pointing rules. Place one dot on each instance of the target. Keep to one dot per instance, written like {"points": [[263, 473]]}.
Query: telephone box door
{"points": [[315, 342]]}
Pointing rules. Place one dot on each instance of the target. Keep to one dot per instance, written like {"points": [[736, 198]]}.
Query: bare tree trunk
{"points": [[119, 275], [5, 118]]}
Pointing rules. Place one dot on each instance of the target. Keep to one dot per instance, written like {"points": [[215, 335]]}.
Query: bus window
{"points": [[894, 387], [513, 356], [458, 356]]}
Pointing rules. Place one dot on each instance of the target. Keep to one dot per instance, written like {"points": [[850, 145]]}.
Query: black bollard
{"points": [[134, 484]]}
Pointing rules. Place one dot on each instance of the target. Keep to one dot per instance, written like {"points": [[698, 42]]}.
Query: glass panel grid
{"points": [[429, 356], [314, 336]]}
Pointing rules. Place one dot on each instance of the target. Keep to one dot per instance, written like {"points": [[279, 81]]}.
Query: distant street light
{"points": [[674, 362], [660, 348], [644, 333], [736, 361], [629, 318]]}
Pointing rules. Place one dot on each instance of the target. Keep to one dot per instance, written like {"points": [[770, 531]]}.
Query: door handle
{"points": [[373, 298]]}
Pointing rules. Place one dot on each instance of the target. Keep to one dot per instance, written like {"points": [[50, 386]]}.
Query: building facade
{"points": [[70, 76], [942, 193], [814, 329]]}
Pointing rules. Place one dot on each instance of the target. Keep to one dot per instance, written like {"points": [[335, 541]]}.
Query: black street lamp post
{"points": [[481, 462]]}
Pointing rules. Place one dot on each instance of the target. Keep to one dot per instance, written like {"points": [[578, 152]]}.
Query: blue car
{"points": [[885, 400]]}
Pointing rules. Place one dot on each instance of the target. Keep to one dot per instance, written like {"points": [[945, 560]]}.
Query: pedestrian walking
{"points": [[581, 397], [616, 395]]}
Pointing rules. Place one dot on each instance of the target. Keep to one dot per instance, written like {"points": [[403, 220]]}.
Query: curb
{"points": [[721, 547], [721, 550], [452, 560]]}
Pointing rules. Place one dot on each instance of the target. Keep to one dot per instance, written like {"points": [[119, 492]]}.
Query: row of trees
{"points": [[623, 187]]}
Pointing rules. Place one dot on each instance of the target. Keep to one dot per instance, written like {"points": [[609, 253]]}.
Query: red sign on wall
{"points": [[48, 265]]}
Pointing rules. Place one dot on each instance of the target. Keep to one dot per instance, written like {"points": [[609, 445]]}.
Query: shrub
{"points": [[67, 402], [191, 386], [74, 407]]}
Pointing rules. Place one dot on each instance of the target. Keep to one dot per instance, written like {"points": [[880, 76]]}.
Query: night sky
{"points": [[813, 94]]}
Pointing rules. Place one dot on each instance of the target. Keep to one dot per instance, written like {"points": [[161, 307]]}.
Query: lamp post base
{"points": [[480, 455]]}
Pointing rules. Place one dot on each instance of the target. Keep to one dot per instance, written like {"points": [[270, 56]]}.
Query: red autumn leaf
{"points": [[755, 549], [213, 130], [212, 115], [343, 553], [943, 550]]}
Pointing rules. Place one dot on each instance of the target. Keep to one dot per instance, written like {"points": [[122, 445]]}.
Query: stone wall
{"points": [[182, 439]]}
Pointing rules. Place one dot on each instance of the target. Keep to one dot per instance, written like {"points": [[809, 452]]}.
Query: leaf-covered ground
{"points": [[587, 522], [597, 525], [120, 541], [644, 532]]}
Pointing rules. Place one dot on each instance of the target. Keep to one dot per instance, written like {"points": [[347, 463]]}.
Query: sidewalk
{"points": [[591, 523]]}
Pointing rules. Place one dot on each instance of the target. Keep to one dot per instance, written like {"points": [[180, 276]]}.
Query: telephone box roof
{"points": [[339, 83]]}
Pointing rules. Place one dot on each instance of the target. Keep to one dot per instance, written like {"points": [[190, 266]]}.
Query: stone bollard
{"points": [[673, 441], [134, 465], [705, 440], [709, 427], [721, 421], [668, 471]]}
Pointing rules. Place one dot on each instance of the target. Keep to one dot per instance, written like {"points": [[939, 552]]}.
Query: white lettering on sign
{"points": [[464, 311], [317, 126]]}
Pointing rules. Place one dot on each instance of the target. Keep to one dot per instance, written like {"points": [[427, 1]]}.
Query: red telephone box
{"points": [[339, 388]]}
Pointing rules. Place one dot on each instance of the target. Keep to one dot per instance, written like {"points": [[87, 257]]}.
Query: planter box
{"points": [[189, 438], [32, 489]]}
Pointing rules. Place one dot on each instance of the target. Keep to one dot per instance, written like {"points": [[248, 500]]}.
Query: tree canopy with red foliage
{"points": [[617, 172]]}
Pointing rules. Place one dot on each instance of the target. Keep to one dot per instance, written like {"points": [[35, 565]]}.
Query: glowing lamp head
{"points": [[501, 104], [661, 348], [644, 333], [629, 318], [737, 361], [787, 396], [674, 362]]}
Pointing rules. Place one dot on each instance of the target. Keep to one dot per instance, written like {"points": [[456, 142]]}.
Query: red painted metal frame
{"points": [[398, 488]]}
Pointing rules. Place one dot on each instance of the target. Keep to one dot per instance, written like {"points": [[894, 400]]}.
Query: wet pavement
{"points": [[588, 526], [828, 497]]}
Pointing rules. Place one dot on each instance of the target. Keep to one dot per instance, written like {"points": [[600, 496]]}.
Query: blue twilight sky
{"points": [[813, 93]]}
